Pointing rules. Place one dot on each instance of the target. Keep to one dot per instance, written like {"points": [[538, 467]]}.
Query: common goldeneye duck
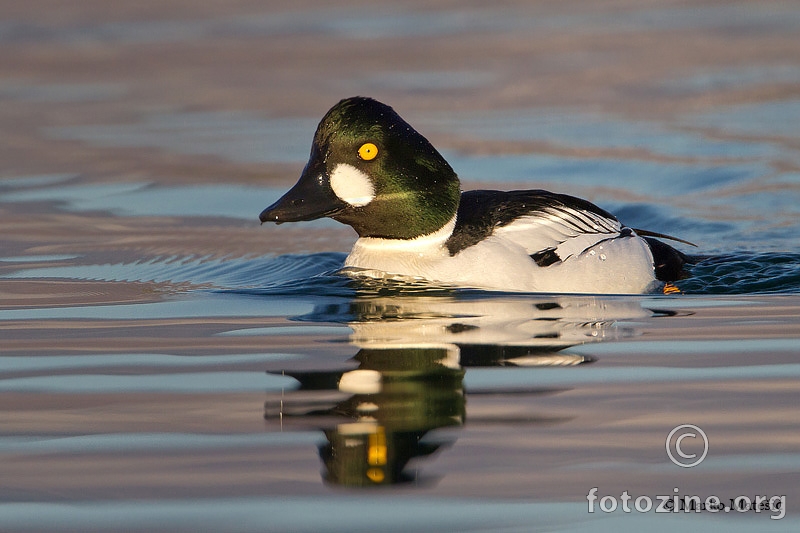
{"points": [[371, 170]]}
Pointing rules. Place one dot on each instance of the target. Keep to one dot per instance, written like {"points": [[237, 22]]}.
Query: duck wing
{"points": [[550, 227]]}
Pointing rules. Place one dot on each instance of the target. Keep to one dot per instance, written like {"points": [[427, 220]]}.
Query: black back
{"points": [[480, 212]]}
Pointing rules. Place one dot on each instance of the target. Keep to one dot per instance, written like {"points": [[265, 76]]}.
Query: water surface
{"points": [[167, 364]]}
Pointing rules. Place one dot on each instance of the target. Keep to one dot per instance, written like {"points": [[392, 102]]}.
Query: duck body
{"points": [[537, 252], [370, 169]]}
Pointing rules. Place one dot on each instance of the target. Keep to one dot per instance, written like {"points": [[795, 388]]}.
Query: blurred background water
{"points": [[167, 364]]}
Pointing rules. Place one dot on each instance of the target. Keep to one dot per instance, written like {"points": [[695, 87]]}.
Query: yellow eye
{"points": [[368, 152]]}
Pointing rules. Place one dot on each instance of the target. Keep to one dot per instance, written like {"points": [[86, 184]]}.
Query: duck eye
{"points": [[368, 152]]}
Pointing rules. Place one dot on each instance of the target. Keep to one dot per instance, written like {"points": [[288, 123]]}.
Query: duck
{"points": [[370, 169]]}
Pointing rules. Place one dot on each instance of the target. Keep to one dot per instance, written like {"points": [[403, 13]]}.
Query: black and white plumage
{"points": [[530, 240], [552, 227], [373, 171]]}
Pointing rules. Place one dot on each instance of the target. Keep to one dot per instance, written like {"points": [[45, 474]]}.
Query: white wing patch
{"points": [[351, 185], [565, 230]]}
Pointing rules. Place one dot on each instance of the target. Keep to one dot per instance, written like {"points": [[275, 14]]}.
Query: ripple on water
{"points": [[277, 272], [745, 273], [317, 274]]}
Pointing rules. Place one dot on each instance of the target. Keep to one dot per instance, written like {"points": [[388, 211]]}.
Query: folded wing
{"points": [[550, 227]]}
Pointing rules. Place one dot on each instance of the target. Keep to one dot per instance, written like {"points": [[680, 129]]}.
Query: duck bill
{"points": [[311, 198]]}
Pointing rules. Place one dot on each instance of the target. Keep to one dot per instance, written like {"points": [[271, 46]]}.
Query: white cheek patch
{"points": [[351, 185]]}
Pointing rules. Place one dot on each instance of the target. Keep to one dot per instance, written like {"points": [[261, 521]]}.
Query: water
{"points": [[167, 364]]}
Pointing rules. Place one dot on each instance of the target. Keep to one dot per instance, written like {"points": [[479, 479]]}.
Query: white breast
{"points": [[620, 265]]}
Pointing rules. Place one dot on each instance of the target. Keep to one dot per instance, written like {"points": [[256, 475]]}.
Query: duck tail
{"points": [[645, 233], [668, 262]]}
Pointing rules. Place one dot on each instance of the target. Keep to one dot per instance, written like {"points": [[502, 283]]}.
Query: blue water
{"points": [[746, 249], [724, 180], [438, 377], [742, 272], [167, 363]]}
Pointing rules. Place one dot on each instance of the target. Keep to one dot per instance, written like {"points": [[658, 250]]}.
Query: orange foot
{"points": [[669, 288]]}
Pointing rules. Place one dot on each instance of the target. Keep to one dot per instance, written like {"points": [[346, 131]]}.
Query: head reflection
{"points": [[399, 395], [385, 411]]}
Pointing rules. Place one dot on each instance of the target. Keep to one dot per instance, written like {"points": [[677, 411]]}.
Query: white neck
{"points": [[421, 243]]}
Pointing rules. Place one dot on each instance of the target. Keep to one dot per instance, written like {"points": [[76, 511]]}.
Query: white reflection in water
{"points": [[412, 356]]}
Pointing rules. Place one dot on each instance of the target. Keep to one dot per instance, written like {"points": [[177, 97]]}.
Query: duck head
{"points": [[370, 169]]}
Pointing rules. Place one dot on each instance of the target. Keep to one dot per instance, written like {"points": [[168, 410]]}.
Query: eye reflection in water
{"points": [[413, 352]]}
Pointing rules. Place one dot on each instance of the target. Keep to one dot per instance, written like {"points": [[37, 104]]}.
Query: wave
{"points": [[739, 273]]}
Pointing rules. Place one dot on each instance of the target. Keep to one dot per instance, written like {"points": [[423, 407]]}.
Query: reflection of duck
{"points": [[400, 395], [392, 400], [518, 325], [413, 352]]}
